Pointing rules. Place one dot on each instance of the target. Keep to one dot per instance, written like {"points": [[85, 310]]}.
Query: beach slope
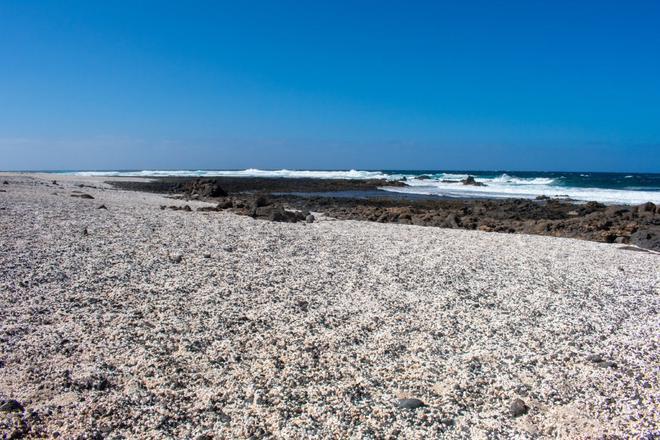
{"points": [[120, 319]]}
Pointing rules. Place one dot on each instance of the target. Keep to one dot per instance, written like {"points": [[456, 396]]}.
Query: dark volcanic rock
{"points": [[470, 181], [225, 204], [11, 406], [410, 404], [518, 408], [260, 201], [277, 213], [235, 185], [204, 188], [646, 238], [208, 208], [5, 183]]}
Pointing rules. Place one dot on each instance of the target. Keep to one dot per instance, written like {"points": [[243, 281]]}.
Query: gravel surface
{"points": [[137, 322]]}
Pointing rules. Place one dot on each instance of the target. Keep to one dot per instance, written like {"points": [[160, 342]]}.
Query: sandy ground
{"points": [[311, 330]]}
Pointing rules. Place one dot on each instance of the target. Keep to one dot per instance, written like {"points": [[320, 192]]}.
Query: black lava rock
{"points": [[411, 404], [11, 406], [518, 408]]}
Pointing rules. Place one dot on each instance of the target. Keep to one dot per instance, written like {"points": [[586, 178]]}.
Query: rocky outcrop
{"points": [[204, 188], [470, 181]]}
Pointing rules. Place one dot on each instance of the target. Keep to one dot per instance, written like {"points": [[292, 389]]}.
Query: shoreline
{"points": [[623, 224], [134, 321]]}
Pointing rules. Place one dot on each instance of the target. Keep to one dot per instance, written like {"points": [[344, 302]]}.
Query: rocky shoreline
{"points": [[262, 198]]}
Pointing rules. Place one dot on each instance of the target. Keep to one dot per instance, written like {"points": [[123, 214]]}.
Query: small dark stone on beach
{"points": [[82, 196], [518, 408], [11, 406], [607, 364], [228, 249], [187, 208], [207, 255], [85, 232], [5, 183], [207, 208], [411, 404], [55, 182], [102, 207], [310, 218], [595, 358], [176, 258]]}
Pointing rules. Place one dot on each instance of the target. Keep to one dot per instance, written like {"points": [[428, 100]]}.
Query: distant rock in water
{"points": [[423, 177], [470, 181]]}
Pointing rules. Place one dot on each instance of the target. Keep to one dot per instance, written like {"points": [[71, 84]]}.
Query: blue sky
{"points": [[518, 85]]}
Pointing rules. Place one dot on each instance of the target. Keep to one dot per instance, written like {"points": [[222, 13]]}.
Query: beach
{"points": [[119, 319]]}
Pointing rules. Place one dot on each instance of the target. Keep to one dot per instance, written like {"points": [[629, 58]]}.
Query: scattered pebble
{"points": [[518, 408], [11, 406], [411, 404]]}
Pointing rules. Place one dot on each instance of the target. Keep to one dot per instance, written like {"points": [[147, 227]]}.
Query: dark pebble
{"points": [[102, 207], [595, 358], [411, 404], [11, 406], [176, 258], [518, 408], [607, 364]]}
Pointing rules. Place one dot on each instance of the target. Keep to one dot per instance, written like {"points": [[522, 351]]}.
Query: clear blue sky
{"points": [[527, 85]]}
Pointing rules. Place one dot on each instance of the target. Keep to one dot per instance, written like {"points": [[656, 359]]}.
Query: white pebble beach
{"points": [[311, 330]]}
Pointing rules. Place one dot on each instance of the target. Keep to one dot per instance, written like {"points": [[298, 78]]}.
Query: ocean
{"points": [[610, 188]]}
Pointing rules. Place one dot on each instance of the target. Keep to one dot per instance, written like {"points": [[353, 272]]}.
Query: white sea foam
{"points": [[528, 190]]}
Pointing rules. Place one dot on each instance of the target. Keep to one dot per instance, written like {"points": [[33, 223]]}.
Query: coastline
{"points": [[136, 321], [361, 200]]}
